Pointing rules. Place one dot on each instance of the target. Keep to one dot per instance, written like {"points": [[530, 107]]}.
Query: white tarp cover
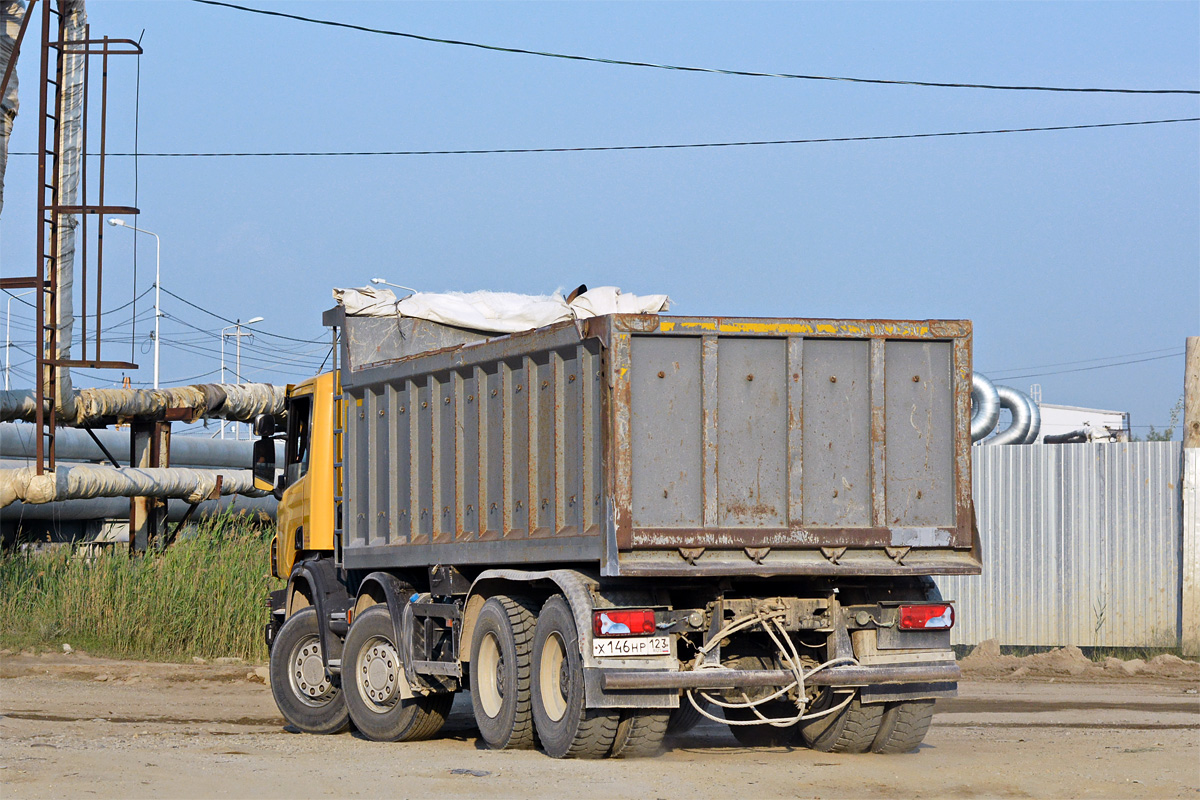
{"points": [[85, 482], [497, 312]]}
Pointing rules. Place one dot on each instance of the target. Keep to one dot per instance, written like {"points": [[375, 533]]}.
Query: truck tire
{"points": [[500, 672], [851, 730], [306, 696], [565, 727], [763, 735], [371, 676], [640, 733], [686, 717], [903, 727]]}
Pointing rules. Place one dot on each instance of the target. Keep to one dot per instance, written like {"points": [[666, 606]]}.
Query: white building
{"points": [[1100, 425]]}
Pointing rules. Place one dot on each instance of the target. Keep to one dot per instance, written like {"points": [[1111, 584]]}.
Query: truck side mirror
{"points": [[264, 425], [264, 461]]}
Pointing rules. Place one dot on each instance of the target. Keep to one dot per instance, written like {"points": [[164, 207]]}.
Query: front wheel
{"points": [[307, 696], [373, 675]]}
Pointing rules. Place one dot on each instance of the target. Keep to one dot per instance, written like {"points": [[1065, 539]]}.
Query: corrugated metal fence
{"points": [[1082, 544]]}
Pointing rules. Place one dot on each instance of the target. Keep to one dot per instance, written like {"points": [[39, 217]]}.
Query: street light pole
{"points": [[237, 328], [120, 223], [378, 281]]}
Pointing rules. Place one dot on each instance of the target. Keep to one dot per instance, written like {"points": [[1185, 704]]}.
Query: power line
{"points": [[235, 322], [274, 350], [679, 68], [611, 148], [1087, 369], [1087, 360]]}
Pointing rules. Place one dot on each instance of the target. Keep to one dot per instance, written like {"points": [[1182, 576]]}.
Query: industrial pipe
{"points": [[84, 482], [1035, 420], [118, 508], [71, 444], [237, 402], [985, 404], [1019, 406]]}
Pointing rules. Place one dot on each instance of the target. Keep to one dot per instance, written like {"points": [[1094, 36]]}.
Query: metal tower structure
{"points": [[57, 46]]}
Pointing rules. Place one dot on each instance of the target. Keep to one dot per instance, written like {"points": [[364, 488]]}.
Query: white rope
{"points": [[789, 655]]}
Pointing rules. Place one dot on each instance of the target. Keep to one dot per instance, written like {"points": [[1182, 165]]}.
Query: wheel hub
{"points": [[378, 673], [309, 679]]}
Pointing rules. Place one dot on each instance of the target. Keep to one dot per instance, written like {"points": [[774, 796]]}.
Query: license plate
{"points": [[631, 646]]}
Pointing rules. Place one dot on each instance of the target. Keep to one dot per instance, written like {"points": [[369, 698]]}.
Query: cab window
{"points": [[299, 439]]}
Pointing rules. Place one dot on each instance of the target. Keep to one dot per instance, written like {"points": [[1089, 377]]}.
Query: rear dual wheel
{"points": [[851, 729], [896, 727], [565, 726], [640, 733], [500, 672], [903, 726]]}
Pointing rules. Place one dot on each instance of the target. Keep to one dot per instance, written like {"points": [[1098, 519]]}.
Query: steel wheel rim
{"points": [[553, 678], [306, 673], [377, 674], [490, 685]]}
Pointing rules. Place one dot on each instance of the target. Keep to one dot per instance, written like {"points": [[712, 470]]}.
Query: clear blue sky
{"points": [[1079, 246]]}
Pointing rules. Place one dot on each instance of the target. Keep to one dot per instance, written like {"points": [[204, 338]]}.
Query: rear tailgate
{"points": [[769, 447]]}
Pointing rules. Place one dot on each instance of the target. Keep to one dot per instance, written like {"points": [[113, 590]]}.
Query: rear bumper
{"points": [[624, 680]]}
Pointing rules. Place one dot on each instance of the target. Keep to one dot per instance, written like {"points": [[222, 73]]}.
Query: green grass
{"points": [[204, 596]]}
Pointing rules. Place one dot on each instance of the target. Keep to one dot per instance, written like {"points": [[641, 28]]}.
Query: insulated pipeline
{"points": [[985, 405], [1020, 407]]}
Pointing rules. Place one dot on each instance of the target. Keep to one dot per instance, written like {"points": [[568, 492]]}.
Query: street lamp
{"points": [[8, 338], [237, 332], [378, 281], [120, 223]]}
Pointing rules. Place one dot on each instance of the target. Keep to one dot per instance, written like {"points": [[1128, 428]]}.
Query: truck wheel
{"points": [[640, 733], [306, 696], [686, 717], [851, 730], [372, 673], [500, 647], [763, 735], [904, 726], [566, 728]]}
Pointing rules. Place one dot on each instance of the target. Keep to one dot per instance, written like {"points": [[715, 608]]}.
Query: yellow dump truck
{"points": [[606, 529]]}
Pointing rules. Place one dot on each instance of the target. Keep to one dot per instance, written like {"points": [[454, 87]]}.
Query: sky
{"points": [[1076, 254]]}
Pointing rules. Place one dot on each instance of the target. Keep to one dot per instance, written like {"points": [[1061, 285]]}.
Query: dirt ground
{"points": [[76, 726]]}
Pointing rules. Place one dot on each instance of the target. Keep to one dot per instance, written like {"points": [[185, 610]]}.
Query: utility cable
{"points": [[1088, 369], [1088, 360], [679, 68], [235, 322], [612, 148]]}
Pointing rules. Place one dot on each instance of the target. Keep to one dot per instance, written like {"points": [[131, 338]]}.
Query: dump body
{"points": [[663, 446]]}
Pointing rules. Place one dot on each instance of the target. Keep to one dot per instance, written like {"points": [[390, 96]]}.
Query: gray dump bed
{"points": [[660, 446]]}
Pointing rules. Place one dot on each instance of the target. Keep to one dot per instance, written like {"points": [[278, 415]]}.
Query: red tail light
{"points": [[623, 622], [930, 617]]}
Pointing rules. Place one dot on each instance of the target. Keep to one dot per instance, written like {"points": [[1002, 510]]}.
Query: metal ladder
{"points": [[339, 424]]}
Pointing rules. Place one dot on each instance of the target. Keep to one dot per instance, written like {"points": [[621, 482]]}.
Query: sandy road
{"points": [[75, 726]]}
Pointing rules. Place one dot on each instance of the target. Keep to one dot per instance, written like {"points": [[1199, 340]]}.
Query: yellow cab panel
{"points": [[305, 515]]}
